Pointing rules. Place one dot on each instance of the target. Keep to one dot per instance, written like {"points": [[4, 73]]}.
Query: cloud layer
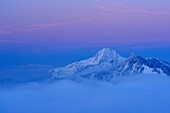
{"points": [[137, 94], [122, 8], [15, 28]]}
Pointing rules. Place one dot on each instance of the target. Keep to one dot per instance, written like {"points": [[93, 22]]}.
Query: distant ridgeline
{"points": [[107, 64]]}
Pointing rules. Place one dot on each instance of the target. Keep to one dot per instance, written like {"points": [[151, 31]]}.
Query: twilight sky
{"points": [[29, 27]]}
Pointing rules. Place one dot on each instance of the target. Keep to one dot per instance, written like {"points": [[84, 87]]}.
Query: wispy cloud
{"points": [[42, 26], [112, 3], [12, 41], [5, 32], [122, 8], [9, 29], [11, 26], [46, 25]]}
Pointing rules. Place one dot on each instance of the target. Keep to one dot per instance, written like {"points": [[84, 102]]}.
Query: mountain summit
{"points": [[107, 64], [106, 54]]}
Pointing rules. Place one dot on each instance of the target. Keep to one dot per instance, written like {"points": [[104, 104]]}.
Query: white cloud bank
{"points": [[131, 94]]}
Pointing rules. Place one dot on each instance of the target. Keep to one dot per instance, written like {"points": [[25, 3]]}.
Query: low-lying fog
{"points": [[130, 94]]}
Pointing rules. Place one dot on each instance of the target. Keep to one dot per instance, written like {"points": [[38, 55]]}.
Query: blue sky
{"points": [[58, 32]]}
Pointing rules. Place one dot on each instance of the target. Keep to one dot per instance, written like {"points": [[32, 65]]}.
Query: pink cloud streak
{"points": [[122, 8], [58, 24], [46, 25], [4, 32], [9, 29], [112, 3], [11, 26], [11, 41]]}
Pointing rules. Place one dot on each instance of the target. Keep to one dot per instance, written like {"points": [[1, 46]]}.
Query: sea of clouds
{"points": [[129, 94]]}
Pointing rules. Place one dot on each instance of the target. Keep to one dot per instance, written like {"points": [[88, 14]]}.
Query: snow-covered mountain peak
{"points": [[107, 63], [105, 59], [107, 54]]}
